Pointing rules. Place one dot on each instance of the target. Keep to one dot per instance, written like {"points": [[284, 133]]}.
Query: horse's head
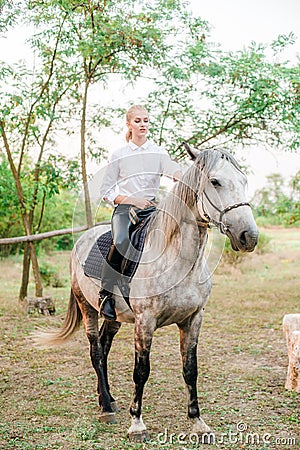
{"points": [[221, 197]]}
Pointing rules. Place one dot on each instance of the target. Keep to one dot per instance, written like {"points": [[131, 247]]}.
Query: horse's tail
{"points": [[59, 336]]}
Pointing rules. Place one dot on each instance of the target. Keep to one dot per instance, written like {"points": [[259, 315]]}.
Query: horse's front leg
{"points": [[189, 333], [143, 338], [106, 335]]}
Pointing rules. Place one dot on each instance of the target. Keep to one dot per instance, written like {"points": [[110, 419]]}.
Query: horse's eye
{"points": [[215, 182]]}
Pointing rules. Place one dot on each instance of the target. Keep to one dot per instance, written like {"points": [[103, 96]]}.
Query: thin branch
{"points": [[163, 121], [229, 124], [44, 87], [42, 212], [16, 178], [12, 165], [42, 148]]}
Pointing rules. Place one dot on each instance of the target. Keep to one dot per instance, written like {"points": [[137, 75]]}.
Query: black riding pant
{"points": [[122, 225]]}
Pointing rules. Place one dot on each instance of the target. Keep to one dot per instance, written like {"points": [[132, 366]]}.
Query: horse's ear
{"points": [[192, 152]]}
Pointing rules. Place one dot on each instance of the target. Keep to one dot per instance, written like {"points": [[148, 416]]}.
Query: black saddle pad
{"points": [[97, 256], [92, 266]]}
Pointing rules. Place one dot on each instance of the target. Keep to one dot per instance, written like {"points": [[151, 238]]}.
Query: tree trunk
{"points": [[25, 272], [27, 222], [88, 209], [291, 328], [36, 271]]}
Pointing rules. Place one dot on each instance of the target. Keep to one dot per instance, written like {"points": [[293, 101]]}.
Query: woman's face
{"points": [[139, 124]]}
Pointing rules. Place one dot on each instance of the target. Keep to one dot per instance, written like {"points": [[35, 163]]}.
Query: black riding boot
{"points": [[110, 275], [107, 305]]}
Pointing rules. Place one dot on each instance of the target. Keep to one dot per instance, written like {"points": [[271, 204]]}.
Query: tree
{"points": [[201, 94], [77, 44], [209, 97], [9, 12], [277, 202], [54, 209], [29, 110], [9, 205], [107, 37]]}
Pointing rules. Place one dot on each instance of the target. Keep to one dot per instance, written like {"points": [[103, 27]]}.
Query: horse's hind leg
{"points": [[108, 331], [189, 332], [90, 320]]}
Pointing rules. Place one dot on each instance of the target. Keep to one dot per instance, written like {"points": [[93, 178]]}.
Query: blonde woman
{"points": [[131, 180]]}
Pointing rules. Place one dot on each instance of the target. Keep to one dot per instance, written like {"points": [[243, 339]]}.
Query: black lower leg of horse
{"points": [[140, 377], [90, 320], [97, 358], [189, 332], [107, 332], [190, 374]]}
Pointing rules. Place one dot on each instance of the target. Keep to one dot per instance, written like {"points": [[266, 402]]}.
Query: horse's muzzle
{"points": [[246, 241]]}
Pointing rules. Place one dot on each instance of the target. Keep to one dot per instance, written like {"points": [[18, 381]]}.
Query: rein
{"points": [[222, 227]]}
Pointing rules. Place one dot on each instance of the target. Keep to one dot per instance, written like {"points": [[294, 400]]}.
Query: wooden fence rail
{"points": [[47, 234]]}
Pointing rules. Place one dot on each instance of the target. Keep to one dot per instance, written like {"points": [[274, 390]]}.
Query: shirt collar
{"points": [[135, 147]]}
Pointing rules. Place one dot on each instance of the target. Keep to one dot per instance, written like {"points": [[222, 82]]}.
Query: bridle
{"points": [[205, 222], [222, 227]]}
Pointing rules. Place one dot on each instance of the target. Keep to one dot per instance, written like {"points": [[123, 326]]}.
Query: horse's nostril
{"points": [[248, 240], [243, 238]]}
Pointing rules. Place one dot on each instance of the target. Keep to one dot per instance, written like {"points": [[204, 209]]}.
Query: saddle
{"points": [[92, 266]]}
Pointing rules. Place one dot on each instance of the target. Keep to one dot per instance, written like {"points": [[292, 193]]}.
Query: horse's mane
{"points": [[180, 202]]}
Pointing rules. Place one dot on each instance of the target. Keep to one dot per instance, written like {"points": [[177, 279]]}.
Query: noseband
{"points": [[222, 227]]}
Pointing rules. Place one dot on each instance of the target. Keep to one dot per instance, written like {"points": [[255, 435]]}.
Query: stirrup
{"points": [[110, 313]]}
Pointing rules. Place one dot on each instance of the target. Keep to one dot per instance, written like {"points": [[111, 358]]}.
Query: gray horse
{"points": [[172, 283]]}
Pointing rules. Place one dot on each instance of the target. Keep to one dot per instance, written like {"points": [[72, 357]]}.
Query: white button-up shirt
{"points": [[135, 171]]}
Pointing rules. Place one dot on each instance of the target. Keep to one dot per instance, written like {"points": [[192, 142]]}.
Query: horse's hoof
{"points": [[139, 436], [108, 417], [200, 426], [114, 407]]}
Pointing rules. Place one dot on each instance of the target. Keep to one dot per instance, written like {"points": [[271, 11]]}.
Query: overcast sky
{"points": [[238, 22]]}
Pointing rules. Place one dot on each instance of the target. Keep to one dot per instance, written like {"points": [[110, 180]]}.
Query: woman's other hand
{"points": [[140, 203]]}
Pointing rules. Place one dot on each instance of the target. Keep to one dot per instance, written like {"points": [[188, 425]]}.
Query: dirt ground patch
{"points": [[48, 397]]}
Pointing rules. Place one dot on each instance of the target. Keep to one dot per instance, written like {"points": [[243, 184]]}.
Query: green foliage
{"points": [[263, 245], [10, 217], [278, 204], [50, 276], [234, 258], [104, 212], [230, 256], [58, 214], [225, 98], [9, 12], [98, 40]]}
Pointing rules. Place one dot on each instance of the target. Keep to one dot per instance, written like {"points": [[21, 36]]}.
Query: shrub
{"points": [[263, 245], [50, 275], [234, 258]]}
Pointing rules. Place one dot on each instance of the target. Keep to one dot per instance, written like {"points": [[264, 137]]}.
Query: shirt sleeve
{"points": [[108, 188], [168, 166]]}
